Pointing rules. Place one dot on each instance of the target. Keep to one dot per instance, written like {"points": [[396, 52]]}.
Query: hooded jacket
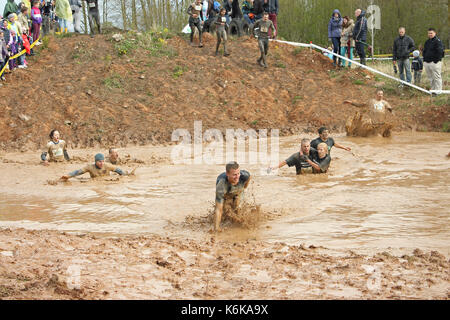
{"points": [[335, 25], [347, 34], [258, 7], [403, 46], [11, 7], [360, 30]]}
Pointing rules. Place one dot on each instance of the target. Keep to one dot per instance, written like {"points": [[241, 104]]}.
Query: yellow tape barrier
{"points": [[18, 55]]}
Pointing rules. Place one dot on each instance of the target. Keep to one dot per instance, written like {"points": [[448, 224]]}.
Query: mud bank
{"points": [[54, 265]]}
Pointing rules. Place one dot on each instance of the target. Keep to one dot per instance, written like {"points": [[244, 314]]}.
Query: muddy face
{"points": [[324, 135], [305, 148], [55, 136], [322, 150], [113, 155], [233, 176], [99, 163]]}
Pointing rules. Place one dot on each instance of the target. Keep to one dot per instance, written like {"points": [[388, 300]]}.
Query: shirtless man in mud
{"points": [[56, 149], [230, 186], [372, 120], [98, 169], [324, 137], [299, 159]]}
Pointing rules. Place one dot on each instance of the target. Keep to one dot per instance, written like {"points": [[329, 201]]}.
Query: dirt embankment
{"points": [[53, 265], [95, 96]]}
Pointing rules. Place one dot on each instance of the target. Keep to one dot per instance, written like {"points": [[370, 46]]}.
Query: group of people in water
{"points": [[313, 157]]}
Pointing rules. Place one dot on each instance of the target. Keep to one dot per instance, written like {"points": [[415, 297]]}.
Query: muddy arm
{"points": [[247, 183], [340, 146], [218, 215], [359, 105]]}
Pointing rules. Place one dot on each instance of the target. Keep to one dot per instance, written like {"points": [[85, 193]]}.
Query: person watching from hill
{"points": [[347, 42], [403, 47], [360, 34], [433, 52], [334, 33]]}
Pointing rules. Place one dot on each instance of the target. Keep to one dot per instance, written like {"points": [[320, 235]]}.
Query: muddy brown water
{"points": [[391, 193]]}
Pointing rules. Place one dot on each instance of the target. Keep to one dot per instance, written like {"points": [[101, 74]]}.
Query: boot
{"points": [[65, 30], [217, 48], [225, 51], [264, 61], [259, 61]]}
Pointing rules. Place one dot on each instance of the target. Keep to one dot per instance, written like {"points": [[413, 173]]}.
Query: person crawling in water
{"points": [[97, 169]]}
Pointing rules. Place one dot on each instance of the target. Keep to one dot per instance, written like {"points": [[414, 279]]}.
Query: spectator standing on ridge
{"points": [[36, 20], [334, 33], [403, 46], [10, 7], [76, 5], [347, 42], [247, 11], [433, 52], [64, 14], [360, 34], [258, 8], [271, 6], [417, 67]]}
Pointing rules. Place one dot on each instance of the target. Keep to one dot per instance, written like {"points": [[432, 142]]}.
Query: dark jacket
{"points": [[335, 25], [271, 6], [417, 64], [403, 46], [360, 30], [433, 50], [258, 7]]}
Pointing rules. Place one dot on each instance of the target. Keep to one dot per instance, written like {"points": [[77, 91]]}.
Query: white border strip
{"points": [[311, 45]]}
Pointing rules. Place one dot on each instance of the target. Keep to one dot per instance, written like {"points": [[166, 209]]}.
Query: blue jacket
{"points": [[360, 29], [335, 25]]}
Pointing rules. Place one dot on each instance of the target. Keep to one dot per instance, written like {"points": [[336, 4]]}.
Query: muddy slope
{"points": [[97, 97]]}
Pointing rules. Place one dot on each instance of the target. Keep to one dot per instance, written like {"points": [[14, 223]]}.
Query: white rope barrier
{"points": [[311, 45]]}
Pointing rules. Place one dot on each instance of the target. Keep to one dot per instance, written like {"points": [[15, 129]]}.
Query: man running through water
{"points": [[321, 159], [221, 25], [195, 13], [324, 137], [56, 149], [98, 169], [263, 25], [230, 186], [299, 159], [373, 119]]}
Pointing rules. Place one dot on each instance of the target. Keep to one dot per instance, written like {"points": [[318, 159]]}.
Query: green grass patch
{"points": [[178, 71], [114, 81], [154, 41], [358, 82], [298, 50], [280, 64], [446, 126]]}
